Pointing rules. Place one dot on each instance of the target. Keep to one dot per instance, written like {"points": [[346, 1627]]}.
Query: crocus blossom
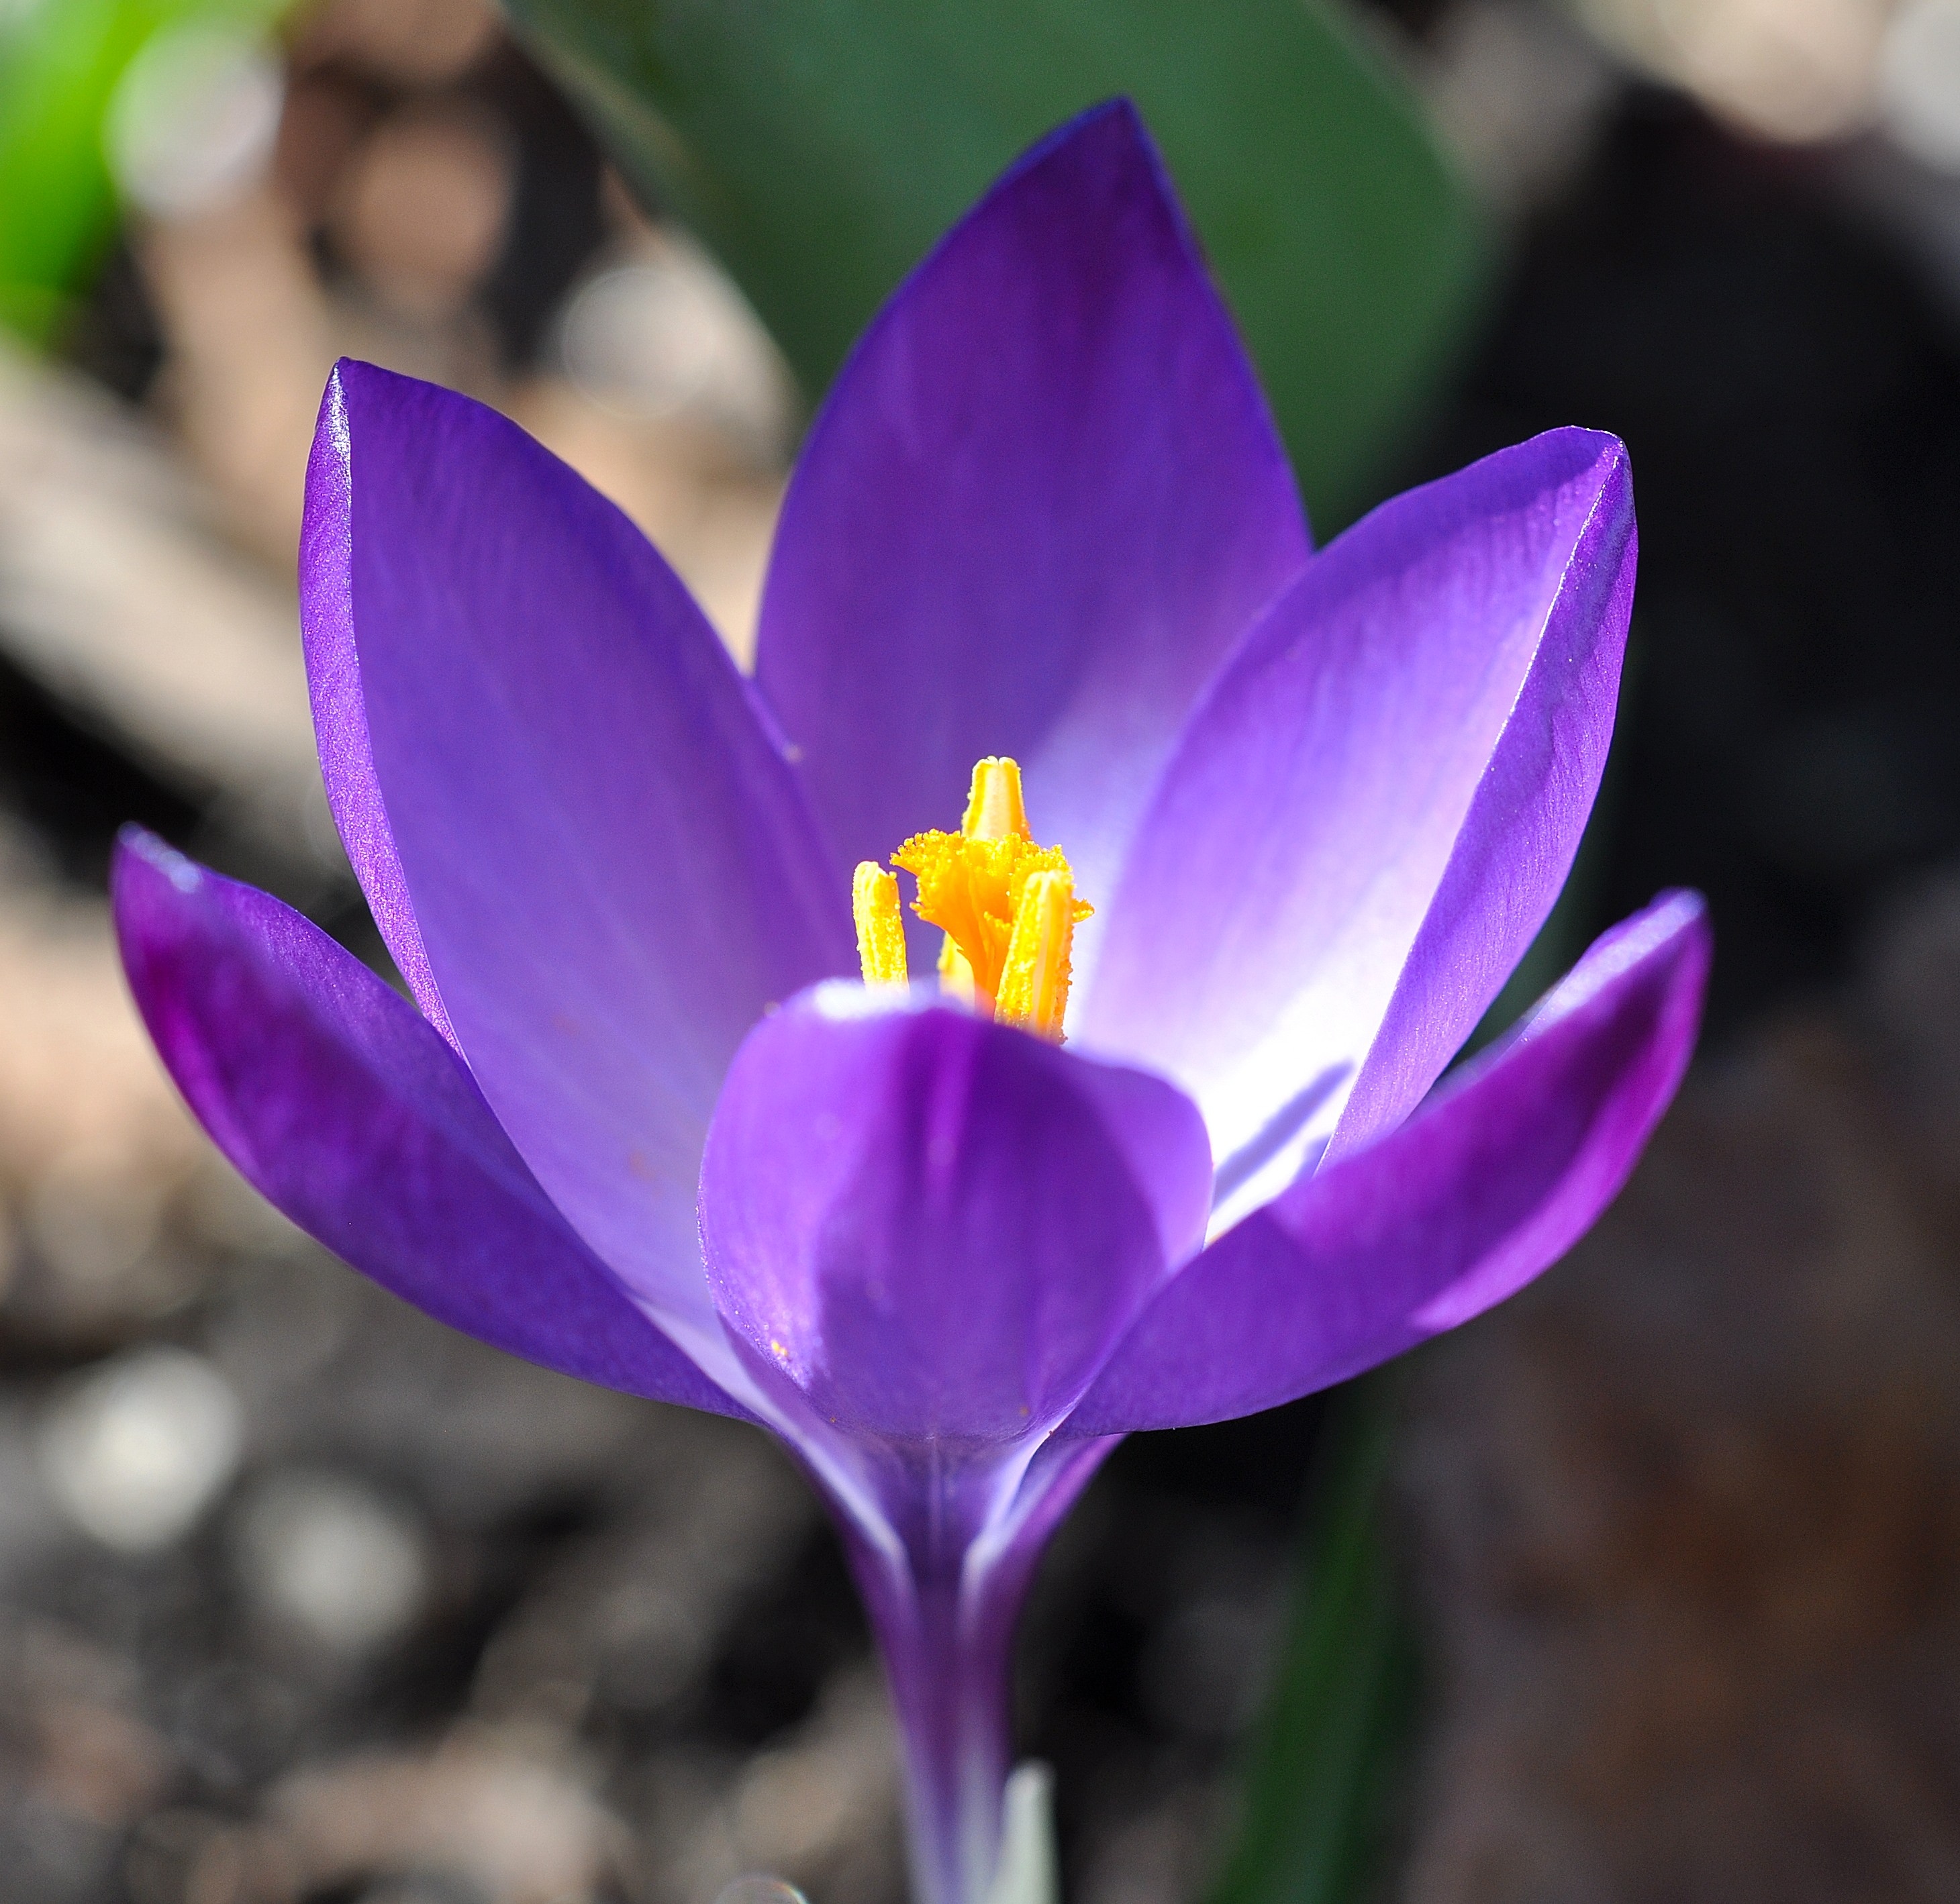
{"points": [[644, 1123]]}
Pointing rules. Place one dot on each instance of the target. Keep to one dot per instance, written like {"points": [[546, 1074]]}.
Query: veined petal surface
{"points": [[934, 1226], [1374, 808], [348, 1113], [1480, 1191], [1043, 499], [612, 869]]}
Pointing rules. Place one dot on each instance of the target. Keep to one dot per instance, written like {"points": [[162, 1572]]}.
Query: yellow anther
{"points": [[987, 887], [994, 811], [881, 932], [994, 808], [1034, 977]]}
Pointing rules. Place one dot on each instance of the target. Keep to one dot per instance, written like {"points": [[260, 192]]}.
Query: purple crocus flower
{"points": [[646, 1128]]}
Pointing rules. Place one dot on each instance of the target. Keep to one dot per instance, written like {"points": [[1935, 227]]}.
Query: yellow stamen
{"points": [[1034, 979], [994, 809], [971, 889], [881, 932], [1007, 906]]}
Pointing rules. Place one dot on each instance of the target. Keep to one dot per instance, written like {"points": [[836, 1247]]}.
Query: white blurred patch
{"points": [[135, 1453], [1919, 81], [334, 1559], [756, 1890], [1520, 95], [1029, 1872], [193, 120], [667, 335], [1789, 70], [844, 1001]]}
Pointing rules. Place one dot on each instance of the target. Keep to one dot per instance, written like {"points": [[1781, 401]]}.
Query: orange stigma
{"points": [[1007, 908]]}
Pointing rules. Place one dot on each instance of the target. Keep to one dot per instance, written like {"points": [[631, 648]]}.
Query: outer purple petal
{"points": [[340, 708], [1043, 499], [613, 871], [1453, 1212], [347, 1112], [1370, 815], [934, 1226]]}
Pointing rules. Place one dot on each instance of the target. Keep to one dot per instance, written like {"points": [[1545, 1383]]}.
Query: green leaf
{"points": [[1315, 1785], [60, 62], [821, 146]]}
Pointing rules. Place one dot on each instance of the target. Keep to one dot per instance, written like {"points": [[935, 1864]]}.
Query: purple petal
{"points": [[936, 1227], [339, 707], [1458, 1209], [612, 869], [1043, 499], [1370, 815], [350, 1115]]}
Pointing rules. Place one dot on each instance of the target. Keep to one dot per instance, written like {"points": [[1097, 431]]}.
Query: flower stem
{"points": [[944, 1594], [948, 1665]]}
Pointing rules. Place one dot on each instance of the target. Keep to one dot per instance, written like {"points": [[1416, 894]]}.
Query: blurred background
{"points": [[1647, 1588]]}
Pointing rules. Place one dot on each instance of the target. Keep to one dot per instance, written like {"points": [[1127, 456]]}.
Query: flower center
{"points": [[1007, 908]]}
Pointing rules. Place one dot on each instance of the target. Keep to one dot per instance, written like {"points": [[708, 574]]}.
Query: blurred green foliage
{"points": [[60, 63], [1323, 1762], [821, 146]]}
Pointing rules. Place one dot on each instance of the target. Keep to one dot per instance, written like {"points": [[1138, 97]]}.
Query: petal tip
{"points": [[350, 373], [139, 852], [374, 395], [1577, 452], [1670, 936], [1116, 119], [1678, 915], [351, 379], [1104, 153]]}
